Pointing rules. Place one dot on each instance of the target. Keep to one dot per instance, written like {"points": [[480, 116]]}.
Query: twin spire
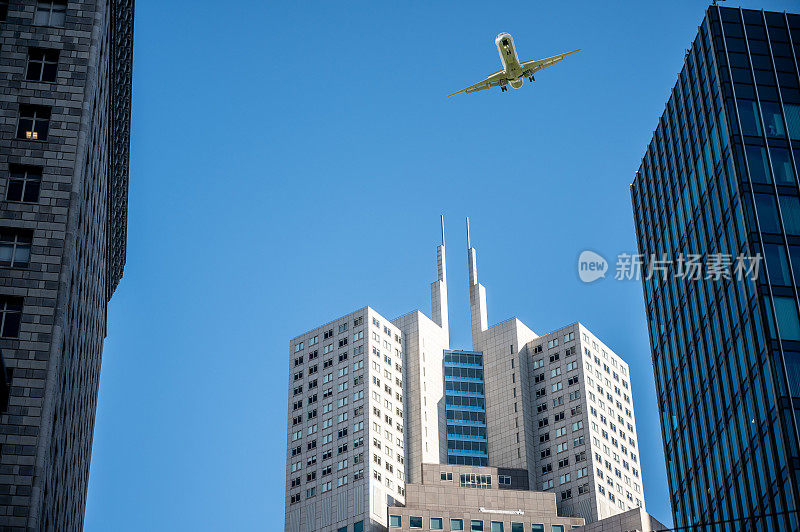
{"points": [[477, 292], [439, 290]]}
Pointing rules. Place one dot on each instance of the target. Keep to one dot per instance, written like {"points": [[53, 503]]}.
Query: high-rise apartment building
{"points": [[559, 405], [719, 181], [345, 438], [65, 115], [366, 409]]}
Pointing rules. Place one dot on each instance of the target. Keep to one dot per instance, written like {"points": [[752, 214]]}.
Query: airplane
{"points": [[513, 71]]}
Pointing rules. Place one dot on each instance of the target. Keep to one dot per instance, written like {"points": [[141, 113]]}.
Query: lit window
{"points": [[34, 122]]}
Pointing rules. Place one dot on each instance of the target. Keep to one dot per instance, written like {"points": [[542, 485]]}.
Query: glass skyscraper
{"points": [[466, 408], [719, 180]]}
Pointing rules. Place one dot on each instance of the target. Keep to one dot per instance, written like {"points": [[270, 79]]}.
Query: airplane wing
{"points": [[534, 66], [494, 80]]}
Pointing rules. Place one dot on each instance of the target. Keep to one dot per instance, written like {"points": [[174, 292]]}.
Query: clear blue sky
{"points": [[289, 164]]}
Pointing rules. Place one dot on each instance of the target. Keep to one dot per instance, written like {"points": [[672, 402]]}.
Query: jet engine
{"points": [[517, 83]]}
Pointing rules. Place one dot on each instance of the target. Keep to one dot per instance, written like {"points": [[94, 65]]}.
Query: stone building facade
{"points": [[457, 497], [65, 95], [490, 499]]}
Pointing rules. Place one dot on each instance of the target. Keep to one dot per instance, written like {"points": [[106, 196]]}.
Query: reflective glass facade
{"points": [[720, 177], [466, 408]]}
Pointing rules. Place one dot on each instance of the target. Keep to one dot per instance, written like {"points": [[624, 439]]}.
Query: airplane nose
{"points": [[503, 37]]}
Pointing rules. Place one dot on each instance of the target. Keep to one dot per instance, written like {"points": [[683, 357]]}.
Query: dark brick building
{"points": [[65, 94]]}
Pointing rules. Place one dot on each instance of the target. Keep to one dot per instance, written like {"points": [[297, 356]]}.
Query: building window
{"points": [[790, 210], [788, 323], [517, 527], [414, 522], [34, 121], [476, 481], [437, 523], [42, 65], [504, 480], [558, 528], [50, 13], [456, 524], [476, 525], [15, 247], [497, 526], [395, 521], [358, 527], [10, 316], [537, 527], [3, 10]]}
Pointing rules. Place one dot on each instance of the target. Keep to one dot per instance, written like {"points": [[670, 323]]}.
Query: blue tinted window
{"points": [[794, 258], [358, 527], [786, 316], [758, 164], [517, 527], [395, 521], [782, 165], [793, 372], [436, 523], [415, 522], [341, 529], [796, 162], [767, 211], [792, 119], [790, 210], [777, 264], [558, 528], [456, 524], [773, 121], [748, 116], [497, 526], [476, 526], [537, 527]]}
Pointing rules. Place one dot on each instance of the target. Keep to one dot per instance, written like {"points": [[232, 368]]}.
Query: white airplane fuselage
{"points": [[509, 59]]}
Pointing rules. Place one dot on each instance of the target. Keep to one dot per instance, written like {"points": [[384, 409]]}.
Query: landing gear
{"points": [[503, 88], [530, 78]]}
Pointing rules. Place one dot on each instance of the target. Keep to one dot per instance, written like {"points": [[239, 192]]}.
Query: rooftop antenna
{"points": [[468, 242], [714, 2], [442, 229]]}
